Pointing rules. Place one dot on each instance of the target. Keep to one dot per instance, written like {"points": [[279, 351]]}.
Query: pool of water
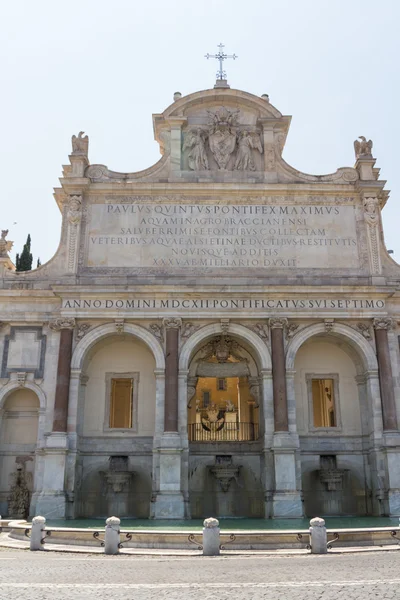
{"points": [[242, 524]]}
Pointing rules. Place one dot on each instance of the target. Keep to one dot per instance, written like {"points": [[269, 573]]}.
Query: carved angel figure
{"points": [[247, 141], [80, 144], [195, 140], [5, 245], [363, 148]]}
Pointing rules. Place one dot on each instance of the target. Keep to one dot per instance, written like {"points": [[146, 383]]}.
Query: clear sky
{"points": [[104, 67]]}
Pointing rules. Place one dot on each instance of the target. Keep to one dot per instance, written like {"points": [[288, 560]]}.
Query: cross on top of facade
{"points": [[221, 56]]}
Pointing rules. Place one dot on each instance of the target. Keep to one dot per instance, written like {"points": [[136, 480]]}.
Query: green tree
{"points": [[23, 262]]}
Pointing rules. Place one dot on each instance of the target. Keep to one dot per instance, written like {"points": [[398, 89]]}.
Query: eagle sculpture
{"points": [[363, 148], [80, 144]]}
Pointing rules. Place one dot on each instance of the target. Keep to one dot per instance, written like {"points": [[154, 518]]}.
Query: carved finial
{"points": [[363, 149], [5, 245], [80, 144]]}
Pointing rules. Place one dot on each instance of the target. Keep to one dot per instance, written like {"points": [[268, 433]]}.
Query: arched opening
{"points": [[115, 426], [224, 417], [18, 440], [332, 418]]}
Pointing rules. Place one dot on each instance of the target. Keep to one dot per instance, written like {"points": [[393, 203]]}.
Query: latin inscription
{"points": [[217, 236], [262, 304]]}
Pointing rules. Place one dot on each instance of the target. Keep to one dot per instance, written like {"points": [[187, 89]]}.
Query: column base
{"points": [[51, 505], [287, 505], [169, 505]]}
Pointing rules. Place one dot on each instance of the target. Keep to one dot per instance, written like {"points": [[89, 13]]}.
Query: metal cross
{"points": [[221, 56]]}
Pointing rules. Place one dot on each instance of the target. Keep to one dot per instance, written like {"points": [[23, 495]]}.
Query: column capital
{"points": [[62, 323], [383, 323], [172, 323], [278, 322]]}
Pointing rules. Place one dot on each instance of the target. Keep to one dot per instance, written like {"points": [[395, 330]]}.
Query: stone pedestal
{"points": [[286, 497], [169, 501], [51, 501]]}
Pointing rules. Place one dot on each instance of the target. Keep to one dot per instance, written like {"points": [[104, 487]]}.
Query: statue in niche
{"points": [[363, 148], [80, 144], [247, 141], [5, 245], [19, 497], [195, 140]]}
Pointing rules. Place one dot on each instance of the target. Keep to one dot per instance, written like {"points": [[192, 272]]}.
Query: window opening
{"points": [[121, 403], [324, 411]]}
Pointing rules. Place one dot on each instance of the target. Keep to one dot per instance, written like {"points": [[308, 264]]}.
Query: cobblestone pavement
{"points": [[45, 576]]}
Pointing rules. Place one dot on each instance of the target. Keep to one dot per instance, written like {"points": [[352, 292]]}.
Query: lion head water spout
{"points": [[224, 472], [118, 481]]}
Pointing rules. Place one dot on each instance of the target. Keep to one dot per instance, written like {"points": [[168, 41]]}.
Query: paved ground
{"points": [[44, 576]]}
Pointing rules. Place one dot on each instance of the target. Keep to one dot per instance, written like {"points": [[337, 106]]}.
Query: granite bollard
{"points": [[111, 538], [318, 536], [211, 538], [37, 533]]}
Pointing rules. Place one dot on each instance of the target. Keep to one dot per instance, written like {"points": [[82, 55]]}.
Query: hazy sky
{"points": [[104, 67]]}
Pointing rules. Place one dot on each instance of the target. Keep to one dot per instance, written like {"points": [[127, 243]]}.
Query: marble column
{"points": [[52, 500], [168, 497], [389, 415], [171, 374], [60, 414], [278, 374]]}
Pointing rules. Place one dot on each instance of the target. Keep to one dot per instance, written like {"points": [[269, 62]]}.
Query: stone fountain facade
{"points": [[222, 284]]}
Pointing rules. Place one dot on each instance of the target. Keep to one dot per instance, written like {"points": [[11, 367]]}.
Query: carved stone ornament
{"points": [[383, 323], [5, 245], [291, 330], [195, 142], [80, 144], [82, 330], [119, 325], [269, 157], [278, 323], [364, 329], [191, 389], [188, 329], [371, 210], [74, 212], [62, 323], [261, 329], [21, 378], [363, 148], [329, 323], [254, 388], [247, 141], [222, 134], [157, 331], [172, 323], [225, 326], [222, 347]]}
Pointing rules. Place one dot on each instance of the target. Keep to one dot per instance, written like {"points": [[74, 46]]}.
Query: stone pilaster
{"points": [[389, 416], [278, 374]]}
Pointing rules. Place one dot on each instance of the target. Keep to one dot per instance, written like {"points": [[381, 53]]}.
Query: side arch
{"points": [[102, 331], [355, 340], [247, 335], [12, 386]]}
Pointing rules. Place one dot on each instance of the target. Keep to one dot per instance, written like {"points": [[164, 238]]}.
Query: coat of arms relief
{"points": [[231, 144]]}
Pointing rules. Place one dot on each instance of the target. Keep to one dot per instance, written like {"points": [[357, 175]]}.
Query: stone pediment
{"points": [[220, 135]]}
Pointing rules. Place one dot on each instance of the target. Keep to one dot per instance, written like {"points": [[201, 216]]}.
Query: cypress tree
{"points": [[24, 261]]}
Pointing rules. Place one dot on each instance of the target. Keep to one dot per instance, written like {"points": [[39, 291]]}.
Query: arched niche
{"points": [[18, 442]]}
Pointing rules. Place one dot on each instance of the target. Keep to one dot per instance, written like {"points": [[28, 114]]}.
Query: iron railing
{"points": [[225, 432]]}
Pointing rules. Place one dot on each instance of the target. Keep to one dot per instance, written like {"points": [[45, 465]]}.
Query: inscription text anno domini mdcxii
{"points": [[222, 235]]}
